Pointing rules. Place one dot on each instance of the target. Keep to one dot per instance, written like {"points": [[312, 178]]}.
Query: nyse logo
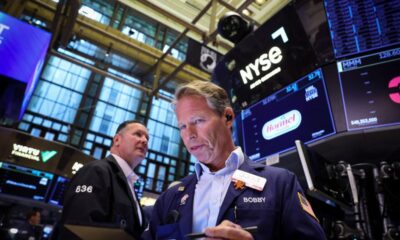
{"points": [[2, 28], [262, 67], [311, 93]]}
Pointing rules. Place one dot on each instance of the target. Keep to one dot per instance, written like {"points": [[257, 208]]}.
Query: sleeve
{"points": [[88, 197], [298, 218]]}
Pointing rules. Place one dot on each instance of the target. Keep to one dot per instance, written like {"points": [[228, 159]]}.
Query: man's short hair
{"points": [[126, 123], [216, 97]]}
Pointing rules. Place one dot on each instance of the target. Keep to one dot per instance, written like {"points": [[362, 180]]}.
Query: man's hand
{"points": [[227, 230]]}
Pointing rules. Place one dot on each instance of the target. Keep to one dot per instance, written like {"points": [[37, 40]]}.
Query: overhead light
{"points": [[108, 50], [260, 2], [246, 12]]}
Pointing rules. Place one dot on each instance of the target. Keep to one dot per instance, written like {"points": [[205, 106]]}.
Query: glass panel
{"points": [[97, 152], [36, 132], [62, 137], [151, 171], [49, 136], [161, 172], [23, 126]]}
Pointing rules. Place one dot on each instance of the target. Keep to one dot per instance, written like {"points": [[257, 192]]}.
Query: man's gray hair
{"points": [[216, 97]]}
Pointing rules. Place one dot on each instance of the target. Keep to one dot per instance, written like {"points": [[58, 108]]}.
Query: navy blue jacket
{"points": [[276, 210]]}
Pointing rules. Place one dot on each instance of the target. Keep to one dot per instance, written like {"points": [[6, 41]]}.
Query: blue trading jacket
{"points": [[277, 210]]}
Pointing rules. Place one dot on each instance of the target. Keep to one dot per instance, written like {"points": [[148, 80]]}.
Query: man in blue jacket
{"points": [[228, 192]]}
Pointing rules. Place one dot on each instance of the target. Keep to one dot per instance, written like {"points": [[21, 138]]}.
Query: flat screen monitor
{"points": [[360, 26], [370, 89], [321, 182], [24, 182], [58, 190], [23, 49], [299, 111]]}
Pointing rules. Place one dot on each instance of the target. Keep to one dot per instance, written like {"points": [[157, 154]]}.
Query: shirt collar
{"points": [[128, 172], [235, 159]]}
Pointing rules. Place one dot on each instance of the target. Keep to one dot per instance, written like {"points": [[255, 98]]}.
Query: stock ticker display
{"points": [[299, 111], [371, 89], [357, 26]]}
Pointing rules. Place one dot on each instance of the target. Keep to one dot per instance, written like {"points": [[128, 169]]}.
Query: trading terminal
{"points": [[313, 83]]}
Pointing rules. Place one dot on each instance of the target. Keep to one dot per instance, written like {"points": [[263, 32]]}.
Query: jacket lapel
{"points": [[185, 206], [233, 193]]}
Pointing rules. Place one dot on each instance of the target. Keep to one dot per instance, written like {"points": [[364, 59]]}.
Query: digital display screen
{"points": [[24, 182], [23, 49], [300, 111], [273, 56], [371, 89], [359, 26], [59, 188]]}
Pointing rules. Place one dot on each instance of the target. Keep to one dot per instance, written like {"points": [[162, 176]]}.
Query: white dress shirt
{"points": [[211, 189], [131, 178]]}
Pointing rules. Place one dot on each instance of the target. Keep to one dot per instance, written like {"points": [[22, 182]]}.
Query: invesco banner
{"points": [[275, 55]]}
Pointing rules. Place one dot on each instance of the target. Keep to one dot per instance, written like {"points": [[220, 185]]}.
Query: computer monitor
{"points": [[24, 182], [299, 111], [360, 26], [23, 50], [58, 190], [370, 89], [321, 182]]}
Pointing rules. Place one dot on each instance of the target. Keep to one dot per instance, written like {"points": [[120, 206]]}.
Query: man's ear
{"points": [[116, 139], [229, 114]]}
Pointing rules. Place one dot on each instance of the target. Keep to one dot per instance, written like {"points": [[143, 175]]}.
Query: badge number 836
{"points": [[84, 188]]}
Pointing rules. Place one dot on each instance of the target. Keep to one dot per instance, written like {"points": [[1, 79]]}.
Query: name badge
{"points": [[250, 180]]}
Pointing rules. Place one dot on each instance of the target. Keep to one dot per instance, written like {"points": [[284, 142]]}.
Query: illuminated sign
{"points": [[76, 167], [276, 54], [32, 153], [264, 62]]}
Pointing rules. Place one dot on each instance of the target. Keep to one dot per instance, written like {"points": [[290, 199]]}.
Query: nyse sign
{"points": [[267, 64], [277, 53]]}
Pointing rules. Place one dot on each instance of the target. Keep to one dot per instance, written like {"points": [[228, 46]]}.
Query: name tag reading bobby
{"points": [[251, 180]]}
